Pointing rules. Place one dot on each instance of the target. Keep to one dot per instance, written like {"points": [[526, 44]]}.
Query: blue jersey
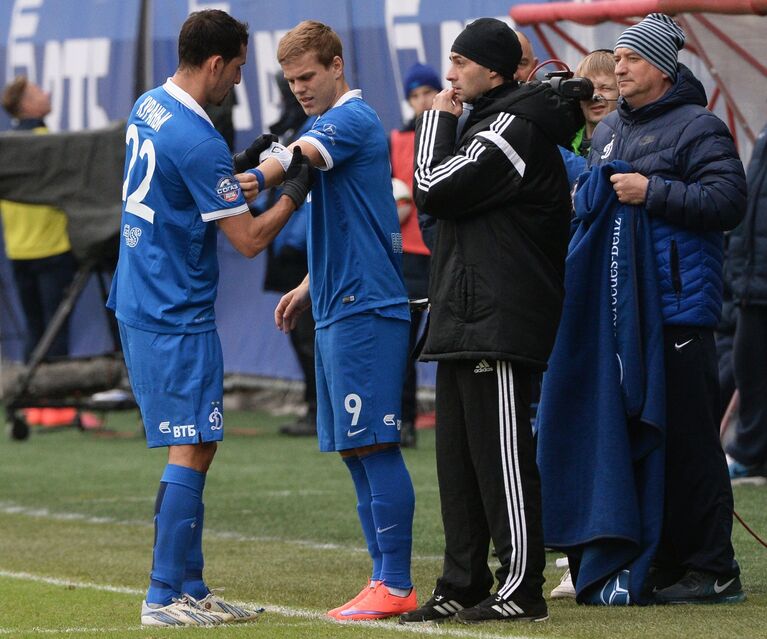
{"points": [[354, 240], [178, 179]]}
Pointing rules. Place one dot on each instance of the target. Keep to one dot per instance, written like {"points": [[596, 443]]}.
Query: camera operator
{"points": [[599, 68], [501, 199], [36, 237]]}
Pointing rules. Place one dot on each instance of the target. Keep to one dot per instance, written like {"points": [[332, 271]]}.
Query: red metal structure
{"points": [[728, 36]]}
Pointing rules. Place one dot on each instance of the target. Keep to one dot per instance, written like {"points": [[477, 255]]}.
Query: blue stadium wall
{"points": [[96, 56]]}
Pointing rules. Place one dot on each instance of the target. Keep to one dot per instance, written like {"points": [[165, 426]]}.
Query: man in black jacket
{"points": [[747, 275], [500, 195]]}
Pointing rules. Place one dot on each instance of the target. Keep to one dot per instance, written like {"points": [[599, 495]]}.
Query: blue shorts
{"points": [[178, 382], [360, 362]]}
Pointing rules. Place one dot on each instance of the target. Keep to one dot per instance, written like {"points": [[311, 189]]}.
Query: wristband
{"points": [[259, 178]]}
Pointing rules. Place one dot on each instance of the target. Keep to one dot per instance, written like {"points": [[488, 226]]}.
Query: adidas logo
{"points": [[483, 367], [508, 608]]}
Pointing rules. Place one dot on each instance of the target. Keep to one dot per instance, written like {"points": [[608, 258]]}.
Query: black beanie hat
{"points": [[491, 43]]}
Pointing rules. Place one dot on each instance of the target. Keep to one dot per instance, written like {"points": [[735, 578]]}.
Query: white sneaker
{"points": [[182, 612], [230, 612], [565, 589]]}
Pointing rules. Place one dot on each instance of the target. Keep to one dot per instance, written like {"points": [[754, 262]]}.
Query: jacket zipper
{"points": [[676, 278]]}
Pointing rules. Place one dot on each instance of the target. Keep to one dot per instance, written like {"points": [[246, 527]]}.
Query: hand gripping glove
{"points": [[251, 156], [279, 153], [299, 177]]}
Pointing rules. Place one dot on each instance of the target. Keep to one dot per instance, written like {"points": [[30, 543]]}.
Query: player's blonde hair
{"points": [[309, 36]]}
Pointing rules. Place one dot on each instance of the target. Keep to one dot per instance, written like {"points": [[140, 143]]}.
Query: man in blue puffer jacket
{"points": [[691, 181]]}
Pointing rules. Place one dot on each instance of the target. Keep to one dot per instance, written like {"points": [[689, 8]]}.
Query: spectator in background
{"points": [[221, 115], [725, 338], [420, 85], [599, 67], [36, 238], [37, 245], [528, 61], [527, 64], [747, 275], [286, 264]]}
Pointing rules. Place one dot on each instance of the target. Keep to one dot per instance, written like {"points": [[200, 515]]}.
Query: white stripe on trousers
{"points": [[512, 481]]}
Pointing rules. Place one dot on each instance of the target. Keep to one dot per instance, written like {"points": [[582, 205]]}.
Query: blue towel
{"points": [[601, 418]]}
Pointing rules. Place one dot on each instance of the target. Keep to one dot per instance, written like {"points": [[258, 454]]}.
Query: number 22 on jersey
{"points": [[134, 202]]}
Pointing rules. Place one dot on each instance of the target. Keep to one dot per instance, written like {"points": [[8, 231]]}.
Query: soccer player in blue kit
{"points": [[359, 303], [178, 182]]}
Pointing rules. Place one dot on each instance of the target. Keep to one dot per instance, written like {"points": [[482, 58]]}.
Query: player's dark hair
{"points": [[208, 33]]}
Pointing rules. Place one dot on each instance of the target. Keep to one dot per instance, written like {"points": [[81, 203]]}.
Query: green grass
{"points": [[281, 531]]}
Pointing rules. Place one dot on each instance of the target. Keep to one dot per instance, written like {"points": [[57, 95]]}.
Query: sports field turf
{"points": [[281, 532]]}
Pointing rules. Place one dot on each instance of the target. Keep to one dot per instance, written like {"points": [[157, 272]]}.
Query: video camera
{"points": [[568, 86]]}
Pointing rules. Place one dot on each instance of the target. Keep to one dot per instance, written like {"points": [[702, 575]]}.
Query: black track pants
{"points": [[488, 480], [749, 444], [697, 522]]}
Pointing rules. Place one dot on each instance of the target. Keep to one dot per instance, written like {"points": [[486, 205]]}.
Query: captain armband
{"points": [[279, 153]]}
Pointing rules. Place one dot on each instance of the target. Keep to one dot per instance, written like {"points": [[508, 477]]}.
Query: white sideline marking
{"points": [[294, 493], [284, 611], [117, 500], [61, 631], [55, 581], [10, 508]]}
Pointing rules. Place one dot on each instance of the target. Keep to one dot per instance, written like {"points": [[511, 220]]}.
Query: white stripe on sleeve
{"points": [[210, 216], [508, 150]]}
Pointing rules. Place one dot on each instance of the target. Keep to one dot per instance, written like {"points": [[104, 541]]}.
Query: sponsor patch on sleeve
{"points": [[228, 189]]}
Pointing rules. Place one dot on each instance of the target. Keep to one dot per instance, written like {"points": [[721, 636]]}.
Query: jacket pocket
{"points": [[469, 293], [455, 293]]}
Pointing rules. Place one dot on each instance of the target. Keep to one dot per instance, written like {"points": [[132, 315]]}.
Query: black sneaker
{"points": [[697, 587], [438, 608], [496, 608], [660, 577], [304, 427], [755, 474], [407, 435]]}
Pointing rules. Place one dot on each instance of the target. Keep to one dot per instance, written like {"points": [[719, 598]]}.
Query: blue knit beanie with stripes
{"points": [[658, 39]]}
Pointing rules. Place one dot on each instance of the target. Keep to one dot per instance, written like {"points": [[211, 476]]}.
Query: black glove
{"points": [[298, 178], [248, 158]]}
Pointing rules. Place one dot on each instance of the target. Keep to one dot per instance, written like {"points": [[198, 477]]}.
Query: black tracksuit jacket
{"points": [[500, 195]]}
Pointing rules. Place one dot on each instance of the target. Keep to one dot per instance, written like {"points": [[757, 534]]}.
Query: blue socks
{"points": [[385, 506], [392, 502], [365, 512], [193, 582], [178, 506]]}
